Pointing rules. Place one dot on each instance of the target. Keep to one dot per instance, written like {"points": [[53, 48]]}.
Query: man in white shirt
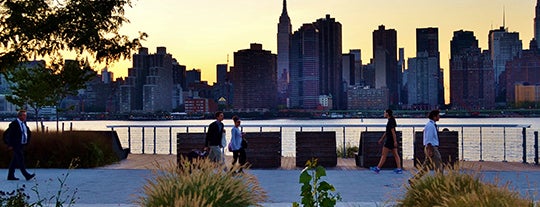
{"points": [[431, 147]]}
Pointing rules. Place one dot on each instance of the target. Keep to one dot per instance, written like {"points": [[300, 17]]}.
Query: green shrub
{"points": [[350, 150], [58, 149], [200, 183], [456, 188], [315, 192]]}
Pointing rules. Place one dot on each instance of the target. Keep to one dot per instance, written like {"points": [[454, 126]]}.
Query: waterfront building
{"points": [[149, 82], [471, 74], [358, 73], [526, 93], [385, 62], [525, 69], [199, 105], [503, 46], [221, 73], [179, 75], [348, 69], [254, 78], [330, 50], [304, 65], [283, 44], [193, 76], [106, 76], [367, 98], [423, 82], [223, 89], [424, 77]]}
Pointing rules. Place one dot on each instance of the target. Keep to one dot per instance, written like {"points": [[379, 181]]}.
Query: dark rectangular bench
{"points": [[320, 145], [264, 149], [187, 142], [370, 151], [448, 147]]}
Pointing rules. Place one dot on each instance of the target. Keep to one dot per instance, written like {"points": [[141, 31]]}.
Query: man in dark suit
{"points": [[19, 135], [214, 135]]}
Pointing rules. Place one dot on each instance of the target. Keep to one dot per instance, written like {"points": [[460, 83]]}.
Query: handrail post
{"points": [[154, 140], [344, 148], [142, 141], [462, 145], [129, 137], [170, 140], [504, 144], [536, 147], [524, 134], [481, 160]]}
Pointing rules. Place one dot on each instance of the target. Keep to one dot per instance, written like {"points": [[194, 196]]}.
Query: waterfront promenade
{"points": [[119, 184]]}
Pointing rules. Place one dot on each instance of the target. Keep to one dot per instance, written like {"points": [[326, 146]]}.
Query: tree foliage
{"points": [[32, 29]]}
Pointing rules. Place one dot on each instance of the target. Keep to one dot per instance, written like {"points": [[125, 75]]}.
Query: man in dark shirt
{"points": [[19, 135], [216, 131]]}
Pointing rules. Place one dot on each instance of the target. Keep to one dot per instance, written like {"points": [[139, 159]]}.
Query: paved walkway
{"points": [[120, 187]]}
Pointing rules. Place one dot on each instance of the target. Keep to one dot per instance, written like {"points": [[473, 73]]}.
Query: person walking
{"points": [[19, 135], [391, 143], [216, 131], [239, 152], [431, 147]]}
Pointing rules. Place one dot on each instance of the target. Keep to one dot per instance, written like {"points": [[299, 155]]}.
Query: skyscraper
{"points": [[149, 84], [471, 74], [330, 70], [304, 72], [424, 79], [385, 62], [503, 47], [254, 78], [283, 44], [221, 71]]}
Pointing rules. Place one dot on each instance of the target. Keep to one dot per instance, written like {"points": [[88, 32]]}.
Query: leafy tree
{"points": [[31, 84], [68, 80], [47, 28]]}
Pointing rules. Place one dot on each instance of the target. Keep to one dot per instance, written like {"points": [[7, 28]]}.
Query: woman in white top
{"points": [[239, 153]]}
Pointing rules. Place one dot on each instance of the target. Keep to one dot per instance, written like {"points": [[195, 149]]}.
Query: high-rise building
{"points": [[283, 44], [330, 50], [524, 69], [348, 69], [503, 47], [304, 62], [193, 76], [424, 79], [221, 72], [149, 82], [385, 62], [471, 74], [107, 76], [254, 79], [358, 74], [423, 82]]}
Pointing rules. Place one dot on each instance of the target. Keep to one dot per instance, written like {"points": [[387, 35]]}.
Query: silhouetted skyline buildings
{"points": [[311, 71]]}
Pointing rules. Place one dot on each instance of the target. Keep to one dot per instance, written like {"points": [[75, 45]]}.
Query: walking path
{"points": [[120, 184]]}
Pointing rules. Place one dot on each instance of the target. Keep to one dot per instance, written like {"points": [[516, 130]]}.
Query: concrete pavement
{"points": [[120, 187]]}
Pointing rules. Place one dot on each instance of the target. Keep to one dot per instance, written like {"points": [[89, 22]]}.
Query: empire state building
{"points": [[537, 23], [283, 44]]}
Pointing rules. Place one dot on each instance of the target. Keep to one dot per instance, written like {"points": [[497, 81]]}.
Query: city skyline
{"points": [[205, 33]]}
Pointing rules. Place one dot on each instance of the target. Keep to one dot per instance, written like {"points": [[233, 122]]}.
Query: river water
{"points": [[490, 144]]}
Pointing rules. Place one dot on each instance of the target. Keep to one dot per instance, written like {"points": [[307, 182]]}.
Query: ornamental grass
{"points": [[200, 183], [459, 188]]}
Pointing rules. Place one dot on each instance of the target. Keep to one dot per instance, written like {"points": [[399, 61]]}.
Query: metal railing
{"points": [[503, 140]]}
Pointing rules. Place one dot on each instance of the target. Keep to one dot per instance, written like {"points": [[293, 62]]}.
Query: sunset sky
{"points": [[200, 34]]}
